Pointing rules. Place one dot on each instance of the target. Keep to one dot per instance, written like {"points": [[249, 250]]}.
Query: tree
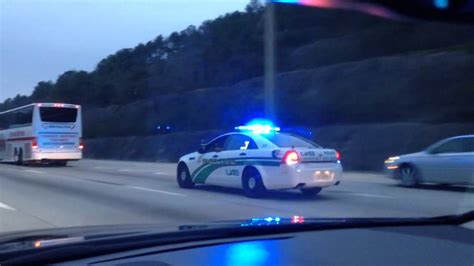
{"points": [[72, 87], [254, 6], [42, 91], [18, 101]]}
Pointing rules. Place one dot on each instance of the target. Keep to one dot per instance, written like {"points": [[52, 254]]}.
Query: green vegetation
{"points": [[219, 52]]}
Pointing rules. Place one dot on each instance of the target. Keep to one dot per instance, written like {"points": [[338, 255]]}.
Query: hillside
{"points": [[229, 50], [400, 88], [341, 72]]}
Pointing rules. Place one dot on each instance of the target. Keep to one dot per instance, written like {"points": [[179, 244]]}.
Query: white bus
{"points": [[41, 132]]}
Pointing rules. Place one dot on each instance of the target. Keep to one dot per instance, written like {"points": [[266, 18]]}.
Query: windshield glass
{"points": [[288, 141], [160, 90], [56, 114]]}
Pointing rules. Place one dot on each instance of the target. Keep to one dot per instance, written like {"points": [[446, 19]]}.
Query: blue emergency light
{"points": [[259, 126]]}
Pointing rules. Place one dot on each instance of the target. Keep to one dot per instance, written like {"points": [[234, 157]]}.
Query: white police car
{"points": [[258, 159]]}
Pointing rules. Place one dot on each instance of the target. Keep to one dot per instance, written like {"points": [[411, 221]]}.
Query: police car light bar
{"points": [[258, 129]]}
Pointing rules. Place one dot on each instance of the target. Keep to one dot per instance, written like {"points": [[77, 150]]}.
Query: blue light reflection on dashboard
{"points": [[247, 253], [262, 221], [252, 253], [441, 4]]}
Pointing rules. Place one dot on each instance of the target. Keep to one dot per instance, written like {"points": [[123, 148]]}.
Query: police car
{"points": [[260, 158]]}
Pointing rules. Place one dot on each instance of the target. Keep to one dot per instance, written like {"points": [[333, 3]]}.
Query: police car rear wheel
{"points": [[184, 178], [310, 192], [252, 183]]}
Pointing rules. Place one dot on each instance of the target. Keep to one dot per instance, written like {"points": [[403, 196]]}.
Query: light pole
{"points": [[270, 61]]}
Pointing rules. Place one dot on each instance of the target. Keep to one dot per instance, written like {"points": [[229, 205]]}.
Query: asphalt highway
{"points": [[95, 192]]}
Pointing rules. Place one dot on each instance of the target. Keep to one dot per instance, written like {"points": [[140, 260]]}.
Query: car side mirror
{"points": [[202, 149]]}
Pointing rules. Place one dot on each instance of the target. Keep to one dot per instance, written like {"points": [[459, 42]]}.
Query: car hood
{"points": [[97, 231], [187, 156], [104, 231], [79, 231], [411, 155], [50, 244]]}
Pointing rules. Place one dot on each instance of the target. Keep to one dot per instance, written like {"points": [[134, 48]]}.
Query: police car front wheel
{"points": [[252, 183], [184, 177]]}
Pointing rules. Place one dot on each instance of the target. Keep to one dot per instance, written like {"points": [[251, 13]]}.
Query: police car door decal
{"points": [[202, 173]]}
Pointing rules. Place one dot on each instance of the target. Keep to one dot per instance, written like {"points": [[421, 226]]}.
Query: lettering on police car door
{"points": [[232, 172], [307, 153]]}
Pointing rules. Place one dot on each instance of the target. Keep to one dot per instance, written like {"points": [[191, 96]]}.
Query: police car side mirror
{"points": [[202, 149]]}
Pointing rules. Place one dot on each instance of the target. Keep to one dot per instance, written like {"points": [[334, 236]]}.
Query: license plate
{"points": [[324, 175]]}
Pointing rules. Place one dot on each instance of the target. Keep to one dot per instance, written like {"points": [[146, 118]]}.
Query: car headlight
{"points": [[392, 159]]}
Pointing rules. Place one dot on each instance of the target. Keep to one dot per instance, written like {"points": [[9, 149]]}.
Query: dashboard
{"points": [[403, 245]]}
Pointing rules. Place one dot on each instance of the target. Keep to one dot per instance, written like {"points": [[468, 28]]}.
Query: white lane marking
{"points": [[103, 168], [34, 171], [369, 180], [132, 170], [158, 191], [6, 207], [161, 173], [9, 168], [369, 195]]}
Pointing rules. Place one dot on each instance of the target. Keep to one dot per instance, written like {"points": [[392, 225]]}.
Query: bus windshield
{"points": [[55, 114]]}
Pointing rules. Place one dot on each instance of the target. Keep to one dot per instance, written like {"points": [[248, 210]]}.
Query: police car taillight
{"points": [[338, 156], [291, 157]]}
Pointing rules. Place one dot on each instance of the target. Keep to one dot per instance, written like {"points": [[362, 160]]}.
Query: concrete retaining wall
{"points": [[363, 147]]}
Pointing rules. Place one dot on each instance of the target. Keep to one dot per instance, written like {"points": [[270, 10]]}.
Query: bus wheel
{"points": [[19, 157], [61, 163]]}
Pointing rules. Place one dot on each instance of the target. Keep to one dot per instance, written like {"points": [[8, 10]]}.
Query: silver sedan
{"points": [[449, 161]]}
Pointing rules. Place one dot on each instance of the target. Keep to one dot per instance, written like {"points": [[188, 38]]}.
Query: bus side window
{"points": [[5, 121], [21, 118]]}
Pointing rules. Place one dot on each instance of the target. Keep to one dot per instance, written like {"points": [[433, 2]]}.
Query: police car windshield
{"points": [[288, 141]]}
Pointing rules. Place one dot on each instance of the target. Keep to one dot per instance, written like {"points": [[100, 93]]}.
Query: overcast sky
{"points": [[41, 39]]}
